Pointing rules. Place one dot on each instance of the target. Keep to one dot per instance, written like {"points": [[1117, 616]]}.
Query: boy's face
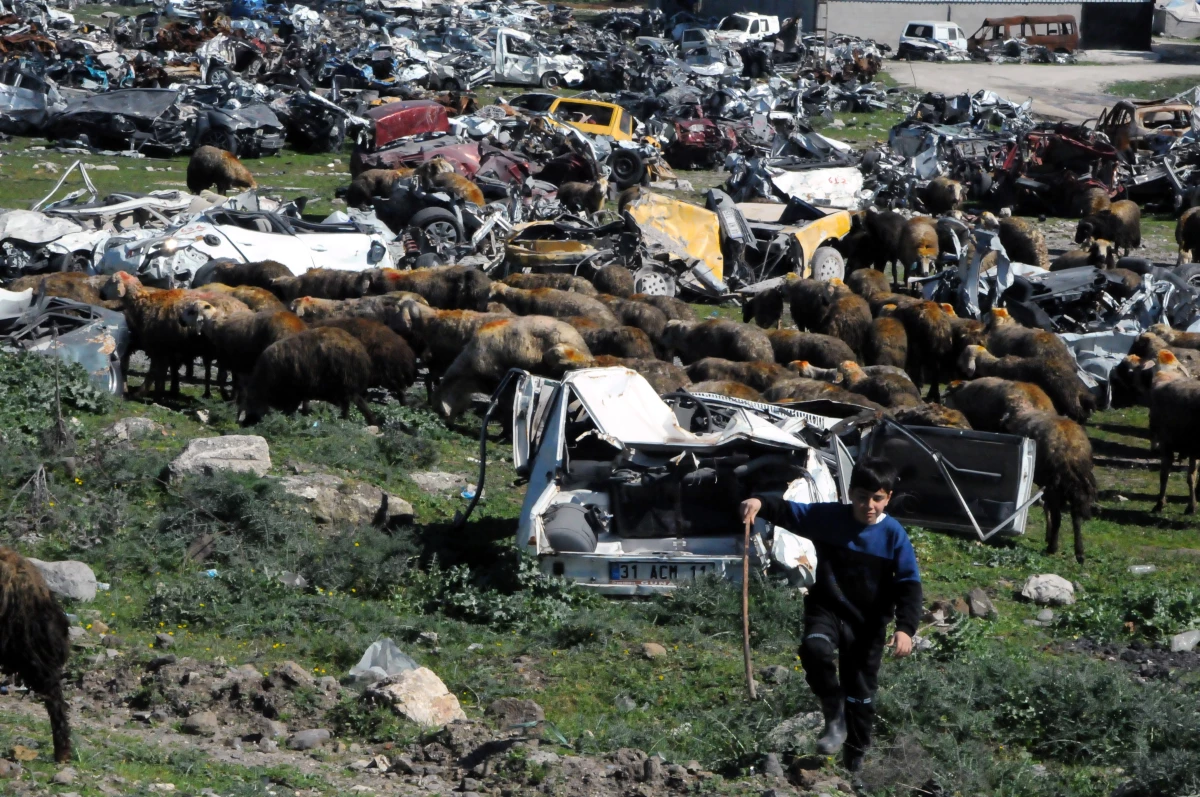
{"points": [[868, 505]]}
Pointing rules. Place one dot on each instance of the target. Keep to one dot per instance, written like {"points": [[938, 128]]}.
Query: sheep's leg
{"points": [[1164, 472], [1077, 527], [1053, 523], [1191, 483], [361, 403], [174, 368], [60, 727], [207, 377]]}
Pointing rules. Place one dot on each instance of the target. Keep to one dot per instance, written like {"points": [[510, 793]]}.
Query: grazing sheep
{"points": [[237, 340], [664, 377], [1148, 345], [1100, 254], [926, 414], [314, 365], [211, 166], [887, 343], [560, 282], [587, 197], [444, 287], [1175, 424], [539, 344], [825, 351], [73, 285], [34, 646], [1121, 224], [437, 174], [1129, 380], [758, 375], [824, 306], [260, 274], [848, 318], [918, 247], [553, 303], [256, 299], [384, 308], [1177, 338], [801, 389], [323, 283], [1006, 336], [619, 341], [439, 336], [764, 308], [616, 280], [929, 333], [1187, 236], [873, 286], [942, 195], [393, 364], [1021, 239], [1090, 201], [645, 317], [674, 309], [158, 325], [1123, 283], [885, 386], [373, 183], [728, 388], [1062, 385], [988, 402], [695, 340]]}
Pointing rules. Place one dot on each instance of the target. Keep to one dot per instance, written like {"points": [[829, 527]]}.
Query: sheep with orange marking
{"points": [[1070, 396], [384, 308], [929, 335], [393, 364], [560, 282], [887, 343], [757, 375], [1187, 236], [728, 388], [374, 183], [1175, 423], [825, 351], [553, 303], [73, 285], [444, 287], [618, 341], [237, 340], [674, 309], [664, 377], [695, 340], [439, 336], [989, 401], [614, 279]]}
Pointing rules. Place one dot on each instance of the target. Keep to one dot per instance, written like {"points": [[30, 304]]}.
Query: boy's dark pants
{"points": [[829, 641]]}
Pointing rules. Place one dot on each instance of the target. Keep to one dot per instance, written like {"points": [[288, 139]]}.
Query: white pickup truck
{"points": [[521, 60]]}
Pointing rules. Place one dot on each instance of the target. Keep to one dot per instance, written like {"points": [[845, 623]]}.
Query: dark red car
{"points": [[698, 142]]}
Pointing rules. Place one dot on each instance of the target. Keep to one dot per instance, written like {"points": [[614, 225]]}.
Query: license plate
{"points": [[659, 571]]}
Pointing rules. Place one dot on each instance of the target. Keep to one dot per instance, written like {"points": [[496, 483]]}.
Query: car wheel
{"points": [[827, 264], [221, 139], [439, 228], [1189, 273], [653, 283], [627, 168], [551, 80]]}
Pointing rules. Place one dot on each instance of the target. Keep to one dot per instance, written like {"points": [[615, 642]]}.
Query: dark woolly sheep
{"points": [[1100, 254], [1062, 385], [1187, 236], [695, 340], [560, 282], [1006, 336], [588, 197], [1177, 338], [926, 414], [1129, 380], [1089, 201], [211, 166], [393, 364], [373, 183], [801, 389], [73, 285], [645, 317], [887, 343], [437, 174], [664, 377], [444, 287], [323, 283], [1121, 224], [237, 340], [260, 274], [728, 388], [884, 386], [1022, 240], [616, 280], [619, 341], [827, 307], [553, 303], [323, 364], [439, 336], [1148, 345], [825, 351], [942, 195], [989, 401], [885, 227], [257, 299], [848, 318], [874, 286], [758, 375], [930, 337], [674, 309], [34, 646], [1175, 423], [764, 308], [919, 246]]}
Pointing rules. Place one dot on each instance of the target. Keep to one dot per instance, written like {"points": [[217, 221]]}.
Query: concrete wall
{"points": [[884, 22]]}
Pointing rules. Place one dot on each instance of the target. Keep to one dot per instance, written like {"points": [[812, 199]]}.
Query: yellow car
{"points": [[632, 160], [594, 117], [802, 247]]}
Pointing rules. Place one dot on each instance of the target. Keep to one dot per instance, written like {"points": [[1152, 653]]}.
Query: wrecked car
{"points": [[1145, 125], [27, 101], [144, 120], [520, 59], [1059, 33]]}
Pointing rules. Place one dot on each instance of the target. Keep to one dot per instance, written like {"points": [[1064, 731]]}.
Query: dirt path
{"points": [[1071, 93]]}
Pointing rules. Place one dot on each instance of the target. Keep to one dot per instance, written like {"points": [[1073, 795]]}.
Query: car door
{"points": [[345, 251]]}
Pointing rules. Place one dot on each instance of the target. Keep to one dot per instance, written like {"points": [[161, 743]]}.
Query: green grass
{"points": [[1162, 89]]}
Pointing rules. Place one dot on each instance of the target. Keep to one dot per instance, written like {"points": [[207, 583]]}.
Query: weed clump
{"points": [[27, 395]]}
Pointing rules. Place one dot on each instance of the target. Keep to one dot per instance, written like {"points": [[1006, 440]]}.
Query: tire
{"points": [[1189, 273], [551, 80], [827, 264], [653, 282], [628, 168], [438, 226], [870, 158], [220, 138]]}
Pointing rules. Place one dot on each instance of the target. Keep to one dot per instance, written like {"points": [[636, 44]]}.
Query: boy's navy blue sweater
{"points": [[864, 573]]}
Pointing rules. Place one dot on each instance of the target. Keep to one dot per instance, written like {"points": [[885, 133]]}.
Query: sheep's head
{"points": [[1129, 381], [1102, 253], [958, 191], [304, 306], [196, 314], [125, 284], [675, 333], [1086, 231], [1162, 330], [435, 166], [969, 358], [411, 317], [999, 317], [1168, 363], [849, 371], [948, 309]]}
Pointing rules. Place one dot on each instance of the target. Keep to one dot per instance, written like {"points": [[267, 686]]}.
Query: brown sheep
{"points": [[1100, 254], [926, 414], [795, 390], [617, 280], [1023, 241], [237, 340], [256, 299], [1175, 424], [1129, 380], [664, 377], [695, 340], [987, 402], [373, 183], [942, 195], [919, 246], [437, 174], [384, 308], [34, 645], [825, 351], [873, 286], [883, 385], [1006, 336], [73, 285], [1121, 224], [560, 282], [887, 343], [645, 317], [1148, 345], [674, 309], [323, 283], [1187, 236], [587, 197], [927, 327], [539, 344], [619, 341], [885, 228], [157, 323], [1089, 201], [444, 287], [827, 307], [393, 364], [848, 318], [727, 388], [261, 274], [1062, 385], [210, 166], [1176, 338], [439, 336], [323, 364], [554, 303], [758, 375]]}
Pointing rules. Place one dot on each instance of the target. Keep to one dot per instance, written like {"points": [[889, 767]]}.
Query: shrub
{"points": [[27, 394]]}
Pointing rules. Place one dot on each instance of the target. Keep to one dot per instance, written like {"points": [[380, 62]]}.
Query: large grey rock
{"points": [[419, 696], [1049, 590], [202, 723], [332, 499], [133, 428], [980, 605], [1185, 641], [68, 579], [436, 481], [307, 740], [236, 452]]}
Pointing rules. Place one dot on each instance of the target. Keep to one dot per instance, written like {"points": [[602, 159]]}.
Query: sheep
{"points": [[618, 341], [393, 364], [918, 246], [728, 388], [1148, 345], [1121, 224], [674, 309], [987, 402], [444, 287], [437, 174], [848, 318], [664, 377], [887, 343], [764, 308], [587, 197], [551, 302], [826, 351], [561, 282], [211, 166], [1187, 236], [238, 339], [1176, 338], [942, 195], [382, 307], [795, 390], [645, 317], [539, 344], [1175, 424], [373, 183], [926, 414], [1129, 380], [758, 375], [873, 286], [73, 285], [929, 334], [1100, 253], [439, 336], [694, 340], [885, 227], [260, 274], [323, 283], [1123, 283], [1022, 241], [1089, 201], [1005, 336], [256, 299], [885, 387], [1062, 385], [156, 321], [827, 307], [34, 644], [616, 280]]}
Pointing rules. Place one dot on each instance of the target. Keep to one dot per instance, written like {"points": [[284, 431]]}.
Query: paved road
{"points": [[1072, 93]]}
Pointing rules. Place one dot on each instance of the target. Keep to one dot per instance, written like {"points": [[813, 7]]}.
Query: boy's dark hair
{"points": [[874, 474]]}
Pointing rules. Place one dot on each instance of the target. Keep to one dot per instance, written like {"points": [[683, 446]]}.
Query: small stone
{"points": [[99, 628], [693, 767], [307, 740], [771, 766], [202, 723], [509, 711], [293, 580], [266, 745], [470, 784], [166, 788], [1122, 499], [163, 640], [625, 704], [980, 605], [438, 481], [1186, 641], [652, 770], [9, 770], [24, 754], [158, 715], [474, 646], [64, 777], [294, 674], [837, 124], [1049, 590], [653, 650], [68, 579], [774, 674], [1045, 616], [961, 607], [429, 638], [543, 758], [268, 728]]}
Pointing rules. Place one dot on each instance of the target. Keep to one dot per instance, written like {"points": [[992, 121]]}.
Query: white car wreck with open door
{"points": [[631, 493]]}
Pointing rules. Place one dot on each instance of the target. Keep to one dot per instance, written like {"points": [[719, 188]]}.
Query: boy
{"points": [[865, 569]]}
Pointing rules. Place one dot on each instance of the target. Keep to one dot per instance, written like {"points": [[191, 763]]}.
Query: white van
{"points": [[747, 27], [920, 38]]}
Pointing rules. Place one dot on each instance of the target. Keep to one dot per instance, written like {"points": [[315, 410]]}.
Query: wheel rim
{"points": [[441, 233], [653, 283], [623, 168]]}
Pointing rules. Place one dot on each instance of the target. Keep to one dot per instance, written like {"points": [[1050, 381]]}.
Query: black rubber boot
{"points": [[834, 736]]}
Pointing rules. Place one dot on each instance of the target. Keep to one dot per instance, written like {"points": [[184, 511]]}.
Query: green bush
{"points": [[1153, 611], [27, 394]]}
